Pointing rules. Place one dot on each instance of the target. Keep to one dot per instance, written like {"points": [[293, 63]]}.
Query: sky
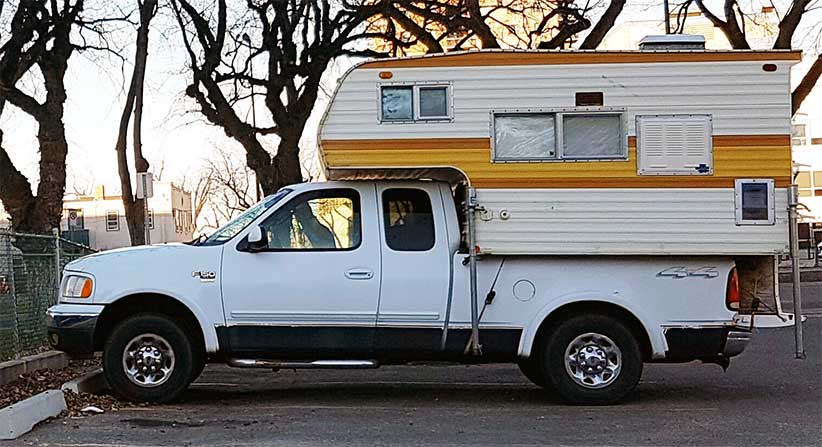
{"points": [[177, 140]]}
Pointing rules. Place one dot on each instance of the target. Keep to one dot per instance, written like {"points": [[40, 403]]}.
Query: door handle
{"points": [[359, 274]]}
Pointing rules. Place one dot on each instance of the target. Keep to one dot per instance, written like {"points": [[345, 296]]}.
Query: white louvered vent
{"points": [[674, 145]]}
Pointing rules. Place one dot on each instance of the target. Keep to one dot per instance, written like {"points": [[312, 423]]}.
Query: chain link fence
{"points": [[30, 269]]}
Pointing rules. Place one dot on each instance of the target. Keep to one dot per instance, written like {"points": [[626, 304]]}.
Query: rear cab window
{"points": [[408, 219]]}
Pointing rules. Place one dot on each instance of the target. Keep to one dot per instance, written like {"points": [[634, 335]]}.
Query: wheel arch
{"points": [[649, 343], [157, 303]]}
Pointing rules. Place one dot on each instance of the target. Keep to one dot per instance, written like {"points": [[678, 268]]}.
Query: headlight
{"points": [[77, 287]]}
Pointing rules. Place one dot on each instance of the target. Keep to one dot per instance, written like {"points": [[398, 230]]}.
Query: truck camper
{"points": [[578, 213]]}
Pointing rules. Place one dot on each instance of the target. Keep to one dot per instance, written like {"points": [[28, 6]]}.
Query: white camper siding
{"points": [[742, 98], [692, 221]]}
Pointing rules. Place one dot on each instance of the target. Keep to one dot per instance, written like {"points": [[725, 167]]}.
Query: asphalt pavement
{"points": [[766, 397]]}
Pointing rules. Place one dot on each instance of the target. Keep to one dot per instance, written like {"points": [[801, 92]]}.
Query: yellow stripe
{"points": [[499, 58], [735, 156]]}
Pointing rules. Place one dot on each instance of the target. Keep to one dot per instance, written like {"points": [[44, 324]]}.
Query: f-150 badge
{"points": [[204, 276], [686, 272]]}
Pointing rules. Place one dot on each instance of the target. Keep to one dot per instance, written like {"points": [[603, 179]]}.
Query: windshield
{"points": [[237, 225]]}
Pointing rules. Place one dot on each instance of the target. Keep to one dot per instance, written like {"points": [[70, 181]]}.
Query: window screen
{"points": [[397, 103], [408, 219], [591, 136], [433, 102], [316, 220], [524, 137]]}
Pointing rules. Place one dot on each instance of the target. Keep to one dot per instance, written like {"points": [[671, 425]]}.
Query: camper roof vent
{"points": [[672, 42]]}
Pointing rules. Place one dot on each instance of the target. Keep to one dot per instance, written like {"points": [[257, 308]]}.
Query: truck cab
{"points": [[355, 274]]}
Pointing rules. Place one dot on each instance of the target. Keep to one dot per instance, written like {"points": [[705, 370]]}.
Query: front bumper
{"points": [[70, 327], [685, 344]]}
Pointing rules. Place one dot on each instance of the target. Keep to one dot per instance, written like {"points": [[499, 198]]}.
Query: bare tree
{"points": [[221, 190], [440, 25], [36, 48], [39, 38], [295, 41], [135, 207]]}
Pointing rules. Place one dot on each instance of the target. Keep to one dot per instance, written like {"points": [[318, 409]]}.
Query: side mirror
{"points": [[257, 240]]}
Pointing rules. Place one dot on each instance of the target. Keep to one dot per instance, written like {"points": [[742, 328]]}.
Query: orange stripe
{"points": [[735, 156], [495, 58], [638, 182]]}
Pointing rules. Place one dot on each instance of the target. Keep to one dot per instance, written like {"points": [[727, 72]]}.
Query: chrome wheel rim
{"points": [[148, 360], [593, 360]]}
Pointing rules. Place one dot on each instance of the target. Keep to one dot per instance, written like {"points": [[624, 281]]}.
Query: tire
{"points": [[532, 369], [160, 343], [199, 366], [588, 380]]}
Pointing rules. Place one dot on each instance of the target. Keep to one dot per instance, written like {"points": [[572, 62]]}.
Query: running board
{"points": [[316, 364]]}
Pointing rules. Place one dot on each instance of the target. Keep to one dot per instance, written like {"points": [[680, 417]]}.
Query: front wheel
{"points": [[148, 358], [592, 360]]}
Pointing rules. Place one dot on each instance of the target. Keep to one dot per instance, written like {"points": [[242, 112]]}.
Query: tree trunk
{"points": [[48, 209], [808, 82], [289, 169], [134, 207], [605, 23], [15, 192]]}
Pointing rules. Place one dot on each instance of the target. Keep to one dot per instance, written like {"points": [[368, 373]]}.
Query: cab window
{"points": [[316, 220], [408, 219]]}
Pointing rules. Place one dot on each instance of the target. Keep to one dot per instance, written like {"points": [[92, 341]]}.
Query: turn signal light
{"points": [[78, 287], [732, 294]]}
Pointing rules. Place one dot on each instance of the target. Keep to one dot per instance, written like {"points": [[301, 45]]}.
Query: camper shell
{"points": [[613, 153]]}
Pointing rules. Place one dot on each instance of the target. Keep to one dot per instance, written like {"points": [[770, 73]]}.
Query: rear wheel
{"points": [[532, 369], [592, 360], [149, 358]]}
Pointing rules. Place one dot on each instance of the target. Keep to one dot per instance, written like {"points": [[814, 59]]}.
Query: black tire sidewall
{"points": [[532, 369], [123, 333], [553, 364]]}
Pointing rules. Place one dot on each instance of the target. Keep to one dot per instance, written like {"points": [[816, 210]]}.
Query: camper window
{"points": [[591, 136], [406, 103], [524, 137], [433, 102], [562, 135], [397, 103]]}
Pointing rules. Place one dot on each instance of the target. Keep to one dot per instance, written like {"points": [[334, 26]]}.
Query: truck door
{"points": [[415, 269], [313, 292]]}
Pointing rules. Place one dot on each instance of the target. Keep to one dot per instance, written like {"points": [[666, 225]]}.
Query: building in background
{"points": [[99, 220]]}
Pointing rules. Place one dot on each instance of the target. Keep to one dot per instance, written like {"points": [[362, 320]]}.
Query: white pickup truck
{"points": [[362, 273]]}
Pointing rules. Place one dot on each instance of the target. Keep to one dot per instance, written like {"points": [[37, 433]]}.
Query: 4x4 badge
{"points": [[685, 272], [204, 276]]}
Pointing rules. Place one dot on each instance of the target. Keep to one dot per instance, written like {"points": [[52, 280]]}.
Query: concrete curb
{"points": [[91, 382], [18, 419], [9, 371]]}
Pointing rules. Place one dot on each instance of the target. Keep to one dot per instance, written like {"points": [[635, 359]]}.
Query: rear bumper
{"points": [[686, 344], [70, 327]]}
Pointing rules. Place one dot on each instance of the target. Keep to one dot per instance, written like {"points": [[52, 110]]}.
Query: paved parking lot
{"points": [[765, 398]]}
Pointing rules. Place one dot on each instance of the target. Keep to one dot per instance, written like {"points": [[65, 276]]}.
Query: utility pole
{"points": [[667, 16]]}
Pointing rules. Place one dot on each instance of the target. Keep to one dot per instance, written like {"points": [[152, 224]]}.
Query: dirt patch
{"points": [[36, 382]]}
